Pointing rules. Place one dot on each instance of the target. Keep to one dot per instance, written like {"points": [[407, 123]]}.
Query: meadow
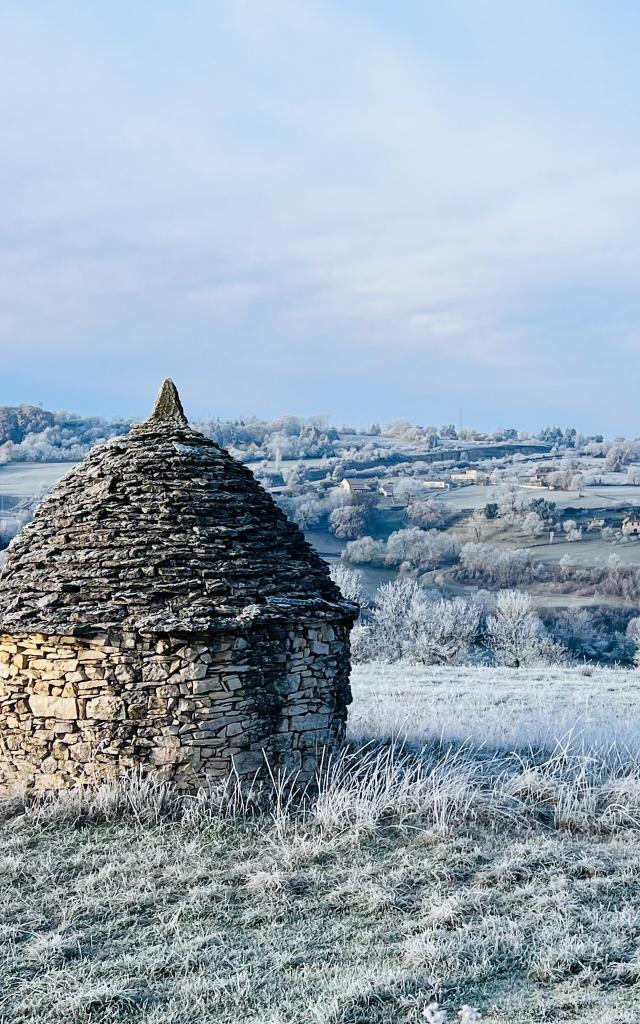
{"points": [[21, 480], [476, 844]]}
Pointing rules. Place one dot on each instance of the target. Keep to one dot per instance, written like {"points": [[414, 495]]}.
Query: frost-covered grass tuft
{"points": [[448, 869]]}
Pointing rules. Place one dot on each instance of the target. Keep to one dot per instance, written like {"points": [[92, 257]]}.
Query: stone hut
{"points": [[162, 612]]}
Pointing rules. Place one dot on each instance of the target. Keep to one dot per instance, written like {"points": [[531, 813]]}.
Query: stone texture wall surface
{"points": [[78, 710]]}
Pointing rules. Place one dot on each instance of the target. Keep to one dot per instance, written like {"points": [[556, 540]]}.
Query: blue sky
{"points": [[362, 209]]}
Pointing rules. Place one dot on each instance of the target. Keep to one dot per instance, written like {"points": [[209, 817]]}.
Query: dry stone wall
{"points": [[161, 612], [76, 710]]}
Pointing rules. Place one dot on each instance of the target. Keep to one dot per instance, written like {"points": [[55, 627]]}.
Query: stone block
{"points": [[125, 674], [211, 685], [288, 684], [155, 672], [75, 677], [91, 655], [248, 761], [45, 782], [168, 690], [211, 726], [66, 665], [290, 761], [231, 682], [105, 709], [53, 707], [304, 723]]}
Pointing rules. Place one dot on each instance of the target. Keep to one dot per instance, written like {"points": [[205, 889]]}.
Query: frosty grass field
{"points": [[498, 866]]}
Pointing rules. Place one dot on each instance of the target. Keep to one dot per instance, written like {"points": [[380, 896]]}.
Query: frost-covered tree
{"points": [[426, 513], [476, 526], [445, 631], [543, 507], [633, 634], [419, 548], [616, 458], [516, 634], [408, 490], [363, 648], [572, 531], [532, 525], [348, 522], [565, 564], [448, 431], [397, 609], [396, 428], [511, 503], [293, 476], [491, 564], [349, 582], [406, 623], [365, 551], [577, 482], [305, 510]]}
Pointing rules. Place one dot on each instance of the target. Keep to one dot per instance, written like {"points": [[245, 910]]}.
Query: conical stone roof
{"points": [[161, 531]]}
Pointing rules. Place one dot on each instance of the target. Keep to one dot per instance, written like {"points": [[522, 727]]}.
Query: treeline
{"points": [[407, 622], [31, 434]]}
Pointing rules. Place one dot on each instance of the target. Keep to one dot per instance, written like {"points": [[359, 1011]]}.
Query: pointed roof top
{"points": [[168, 407]]}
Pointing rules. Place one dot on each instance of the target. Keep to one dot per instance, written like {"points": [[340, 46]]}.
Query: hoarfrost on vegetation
{"points": [[408, 622], [431, 876]]}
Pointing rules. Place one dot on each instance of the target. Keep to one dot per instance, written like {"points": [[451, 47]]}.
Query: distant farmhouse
{"points": [[387, 489], [356, 486], [631, 526], [471, 475], [541, 478], [436, 485]]}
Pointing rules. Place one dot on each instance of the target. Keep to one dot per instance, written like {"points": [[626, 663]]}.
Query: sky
{"points": [[361, 209]]}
